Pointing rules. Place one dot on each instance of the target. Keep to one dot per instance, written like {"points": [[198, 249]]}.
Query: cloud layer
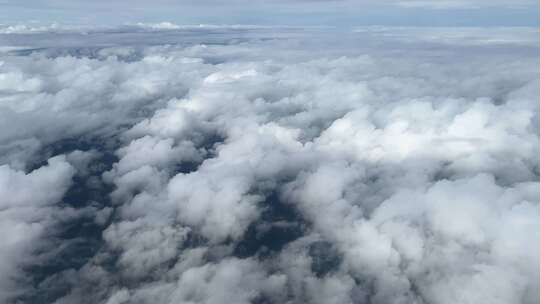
{"points": [[260, 165]]}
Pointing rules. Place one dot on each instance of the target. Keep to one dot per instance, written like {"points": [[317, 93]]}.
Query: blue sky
{"points": [[282, 12]]}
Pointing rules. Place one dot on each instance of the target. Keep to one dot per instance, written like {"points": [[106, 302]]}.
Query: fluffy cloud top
{"points": [[256, 165]]}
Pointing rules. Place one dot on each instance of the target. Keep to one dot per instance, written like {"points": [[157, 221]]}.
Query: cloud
{"points": [[27, 210], [266, 165]]}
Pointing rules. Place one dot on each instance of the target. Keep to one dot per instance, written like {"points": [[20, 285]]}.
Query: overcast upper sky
{"points": [[282, 12]]}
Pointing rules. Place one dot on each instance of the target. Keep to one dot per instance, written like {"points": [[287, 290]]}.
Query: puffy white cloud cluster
{"points": [[376, 170], [27, 208]]}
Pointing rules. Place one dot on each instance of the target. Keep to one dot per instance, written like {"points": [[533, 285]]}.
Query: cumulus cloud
{"points": [[27, 209], [257, 165]]}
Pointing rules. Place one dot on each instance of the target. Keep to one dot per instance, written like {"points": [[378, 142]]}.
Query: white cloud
{"points": [[407, 158], [27, 209]]}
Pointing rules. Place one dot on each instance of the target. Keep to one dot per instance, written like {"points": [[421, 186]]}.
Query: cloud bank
{"points": [[260, 165]]}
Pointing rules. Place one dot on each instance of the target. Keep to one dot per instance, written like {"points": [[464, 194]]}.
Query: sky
{"points": [[341, 13], [146, 161]]}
